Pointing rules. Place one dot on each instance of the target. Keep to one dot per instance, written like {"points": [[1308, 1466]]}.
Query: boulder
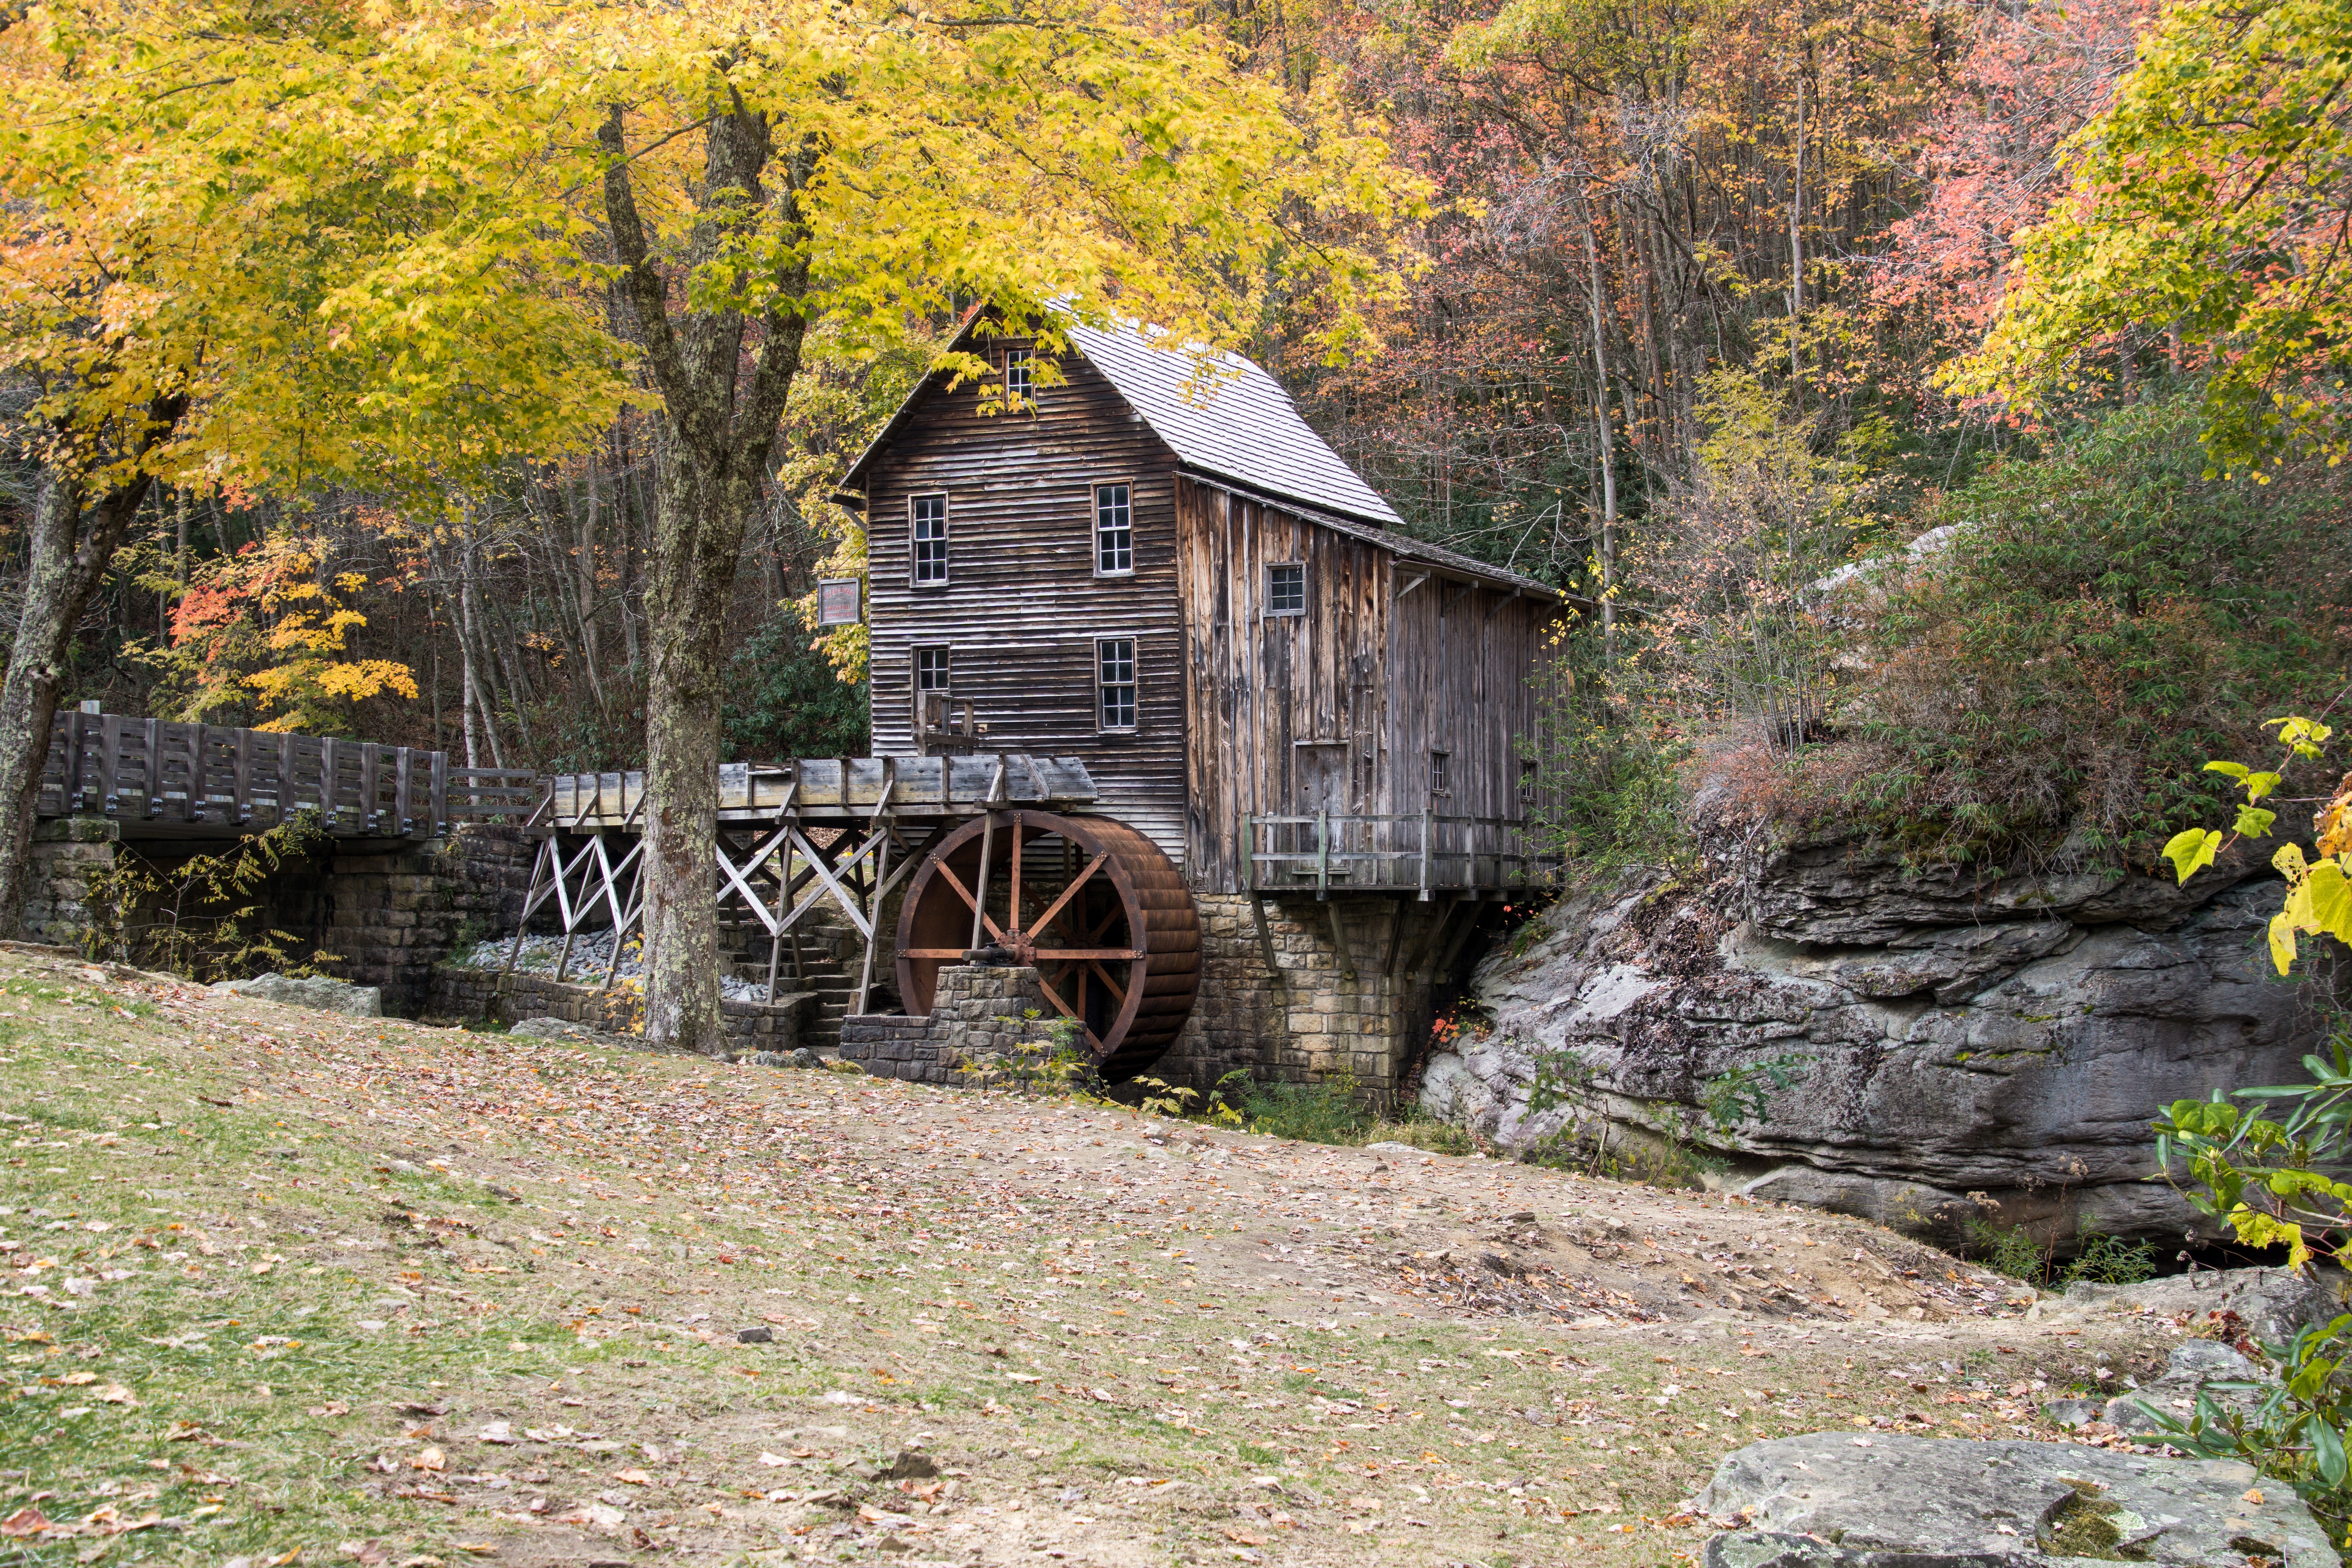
{"points": [[2272, 1304], [310, 991], [1831, 1499], [1965, 1046]]}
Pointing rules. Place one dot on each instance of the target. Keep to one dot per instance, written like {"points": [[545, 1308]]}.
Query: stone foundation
{"points": [[1316, 1018], [65, 852], [978, 1011], [476, 993], [383, 912]]}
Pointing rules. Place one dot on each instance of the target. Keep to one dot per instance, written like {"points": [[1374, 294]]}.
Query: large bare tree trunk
{"points": [[73, 540], [719, 425]]}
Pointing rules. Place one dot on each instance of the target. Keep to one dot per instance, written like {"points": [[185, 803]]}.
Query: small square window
{"points": [[1115, 678], [928, 524], [1020, 379], [838, 602], [1285, 589], [930, 670], [1114, 531], [1440, 772], [1530, 778]]}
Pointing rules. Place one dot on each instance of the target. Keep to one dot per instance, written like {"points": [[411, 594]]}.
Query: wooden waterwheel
{"points": [[1094, 906]]}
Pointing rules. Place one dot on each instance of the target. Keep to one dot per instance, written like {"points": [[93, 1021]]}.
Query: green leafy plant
{"points": [[1162, 1099], [1321, 1112], [205, 916], [1745, 1093]]}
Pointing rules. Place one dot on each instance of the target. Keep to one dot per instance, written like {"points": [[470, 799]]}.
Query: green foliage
{"points": [[1609, 786], [2291, 1427], [2269, 1168], [2105, 620], [2103, 1259], [1745, 1093], [2208, 205], [202, 916], [1321, 1112], [783, 699], [2099, 1258]]}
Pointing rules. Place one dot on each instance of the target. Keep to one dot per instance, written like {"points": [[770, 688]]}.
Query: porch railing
{"points": [[1419, 853]]}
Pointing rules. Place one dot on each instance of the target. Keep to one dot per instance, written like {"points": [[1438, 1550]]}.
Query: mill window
{"points": [[1441, 772], [930, 670], [1020, 380], [1530, 778], [1115, 680], [1114, 531], [1285, 589], [928, 521]]}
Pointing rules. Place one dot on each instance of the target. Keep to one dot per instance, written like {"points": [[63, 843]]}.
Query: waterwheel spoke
{"points": [[1067, 893], [964, 894], [1065, 1009], [1117, 992]]}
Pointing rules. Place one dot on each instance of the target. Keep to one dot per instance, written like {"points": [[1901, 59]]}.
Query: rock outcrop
{"points": [[311, 991], [1832, 1499], [1928, 1048]]}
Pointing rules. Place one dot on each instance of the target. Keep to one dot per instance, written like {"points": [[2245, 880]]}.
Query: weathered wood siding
{"points": [[1022, 608], [1340, 709]]}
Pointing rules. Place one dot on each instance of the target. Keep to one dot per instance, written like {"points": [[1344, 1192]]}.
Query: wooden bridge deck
{"points": [[161, 779], [836, 788]]}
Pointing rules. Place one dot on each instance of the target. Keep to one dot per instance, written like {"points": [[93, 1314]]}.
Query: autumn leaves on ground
{"points": [[296, 1288]]}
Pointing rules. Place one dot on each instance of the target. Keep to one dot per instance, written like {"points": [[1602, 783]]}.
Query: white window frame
{"points": [[915, 541], [1025, 361], [1132, 684], [1126, 505], [1271, 568]]}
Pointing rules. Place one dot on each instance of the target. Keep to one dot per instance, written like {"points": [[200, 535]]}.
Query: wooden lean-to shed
{"points": [[1155, 566]]}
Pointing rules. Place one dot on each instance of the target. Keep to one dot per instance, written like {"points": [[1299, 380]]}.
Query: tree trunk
{"points": [[1601, 416], [720, 425], [66, 556]]}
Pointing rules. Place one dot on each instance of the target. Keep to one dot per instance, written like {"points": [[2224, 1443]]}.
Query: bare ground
{"points": [[286, 1283]]}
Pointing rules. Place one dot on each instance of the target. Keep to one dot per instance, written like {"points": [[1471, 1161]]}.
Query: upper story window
{"points": [[1285, 589], [927, 522], [1114, 531], [1115, 680], [1440, 772], [932, 670], [1020, 380]]}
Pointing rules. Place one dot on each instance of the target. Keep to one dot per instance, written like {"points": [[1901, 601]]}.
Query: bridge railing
{"points": [[214, 779]]}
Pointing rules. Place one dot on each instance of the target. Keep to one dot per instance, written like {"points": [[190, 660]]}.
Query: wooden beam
{"points": [[1266, 943], [1340, 940], [1416, 582]]}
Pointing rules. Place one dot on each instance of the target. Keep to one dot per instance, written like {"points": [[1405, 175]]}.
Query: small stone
{"points": [[910, 1466], [803, 1056], [757, 1336]]}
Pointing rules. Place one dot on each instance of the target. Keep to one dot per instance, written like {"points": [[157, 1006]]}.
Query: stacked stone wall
{"points": [[979, 1012], [385, 913], [463, 994], [1309, 1019], [66, 853]]}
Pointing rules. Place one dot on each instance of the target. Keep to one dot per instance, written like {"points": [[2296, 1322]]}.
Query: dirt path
{"points": [[290, 1283]]}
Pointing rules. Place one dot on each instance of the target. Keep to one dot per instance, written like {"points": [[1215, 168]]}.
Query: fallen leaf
{"points": [[768, 1458], [2253, 1495], [634, 1477], [115, 1394], [430, 1459], [26, 1521]]}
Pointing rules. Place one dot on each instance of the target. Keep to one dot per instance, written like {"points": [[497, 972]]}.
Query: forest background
{"points": [[1686, 324]]}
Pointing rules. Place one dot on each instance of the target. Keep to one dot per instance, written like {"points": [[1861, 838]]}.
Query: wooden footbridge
{"points": [[158, 779]]}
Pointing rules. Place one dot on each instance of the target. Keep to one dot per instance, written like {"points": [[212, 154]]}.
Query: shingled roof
{"points": [[1227, 420], [1224, 417]]}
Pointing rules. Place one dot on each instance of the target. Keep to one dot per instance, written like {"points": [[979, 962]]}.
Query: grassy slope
{"points": [[276, 1267]]}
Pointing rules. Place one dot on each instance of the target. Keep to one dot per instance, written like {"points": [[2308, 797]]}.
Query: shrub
{"points": [[2107, 619]]}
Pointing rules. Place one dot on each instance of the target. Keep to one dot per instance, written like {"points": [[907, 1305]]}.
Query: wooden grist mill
{"points": [[1178, 735]]}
